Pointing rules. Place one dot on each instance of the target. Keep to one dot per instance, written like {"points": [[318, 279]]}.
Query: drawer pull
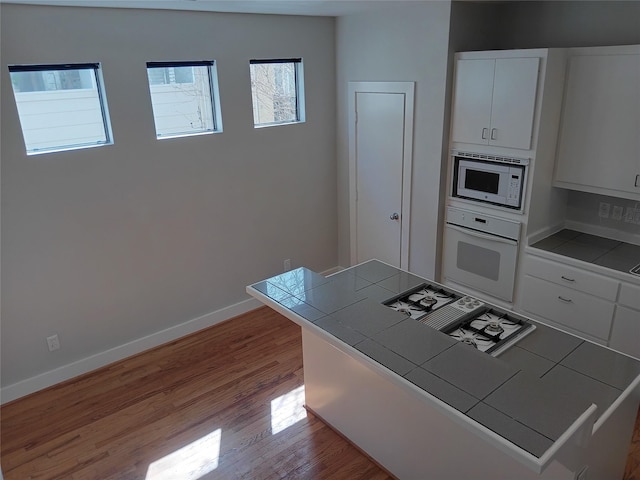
{"points": [[565, 300], [568, 279]]}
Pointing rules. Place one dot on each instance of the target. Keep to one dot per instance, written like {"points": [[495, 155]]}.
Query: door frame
{"points": [[407, 89]]}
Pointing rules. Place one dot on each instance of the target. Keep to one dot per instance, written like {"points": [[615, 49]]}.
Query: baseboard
{"points": [[333, 270], [66, 372]]}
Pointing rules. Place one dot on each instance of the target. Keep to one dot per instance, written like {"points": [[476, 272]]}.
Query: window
{"points": [[61, 107], [277, 90], [184, 98]]}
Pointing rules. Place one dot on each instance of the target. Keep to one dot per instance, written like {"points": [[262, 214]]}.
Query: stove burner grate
{"points": [[490, 331], [421, 300], [474, 339]]}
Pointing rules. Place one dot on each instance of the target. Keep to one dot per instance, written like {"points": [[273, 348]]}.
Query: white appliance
{"points": [[489, 178], [480, 252]]}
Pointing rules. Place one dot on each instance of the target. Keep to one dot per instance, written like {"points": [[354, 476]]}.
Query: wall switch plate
{"points": [[287, 265], [604, 210], [53, 342], [629, 215], [617, 212]]}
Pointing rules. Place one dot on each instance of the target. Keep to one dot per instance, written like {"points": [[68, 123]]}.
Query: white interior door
{"points": [[380, 170]]}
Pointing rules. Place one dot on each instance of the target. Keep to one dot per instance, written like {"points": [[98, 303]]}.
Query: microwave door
{"points": [[483, 182]]}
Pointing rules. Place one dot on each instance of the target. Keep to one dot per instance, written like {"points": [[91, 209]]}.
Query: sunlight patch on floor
{"points": [[287, 410], [191, 462]]}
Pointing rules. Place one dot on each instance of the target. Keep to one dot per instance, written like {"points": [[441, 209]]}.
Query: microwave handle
{"points": [[484, 236]]}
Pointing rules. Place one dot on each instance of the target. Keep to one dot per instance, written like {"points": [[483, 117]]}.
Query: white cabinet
{"points": [[625, 332], [571, 298], [599, 141], [494, 101], [580, 312], [597, 307]]}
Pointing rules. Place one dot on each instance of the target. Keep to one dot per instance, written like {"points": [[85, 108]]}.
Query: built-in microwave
{"points": [[490, 179]]}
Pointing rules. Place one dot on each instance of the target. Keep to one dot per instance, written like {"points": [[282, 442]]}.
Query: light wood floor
{"points": [[213, 389]]}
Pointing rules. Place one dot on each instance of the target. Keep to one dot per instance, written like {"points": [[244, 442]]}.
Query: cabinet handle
{"points": [[484, 133], [565, 300], [636, 182], [567, 278], [493, 133]]}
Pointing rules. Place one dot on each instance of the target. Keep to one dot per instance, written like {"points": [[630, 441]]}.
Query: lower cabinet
{"points": [[596, 307], [572, 298], [625, 332], [581, 312]]}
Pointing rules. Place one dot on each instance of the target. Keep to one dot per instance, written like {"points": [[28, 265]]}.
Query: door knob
{"points": [[394, 216]]}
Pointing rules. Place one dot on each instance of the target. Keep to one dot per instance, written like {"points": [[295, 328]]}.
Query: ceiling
{"points": [[332, 8]]}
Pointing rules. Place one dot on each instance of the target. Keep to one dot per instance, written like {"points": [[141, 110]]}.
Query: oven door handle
{"points": [[485, 236]]}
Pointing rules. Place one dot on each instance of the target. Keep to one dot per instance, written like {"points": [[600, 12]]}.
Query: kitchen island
{"points": [[425, 405]]}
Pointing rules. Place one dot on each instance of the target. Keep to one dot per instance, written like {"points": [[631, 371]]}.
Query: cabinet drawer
{"points": [[575, 278], [630, 296], [565, 306]]}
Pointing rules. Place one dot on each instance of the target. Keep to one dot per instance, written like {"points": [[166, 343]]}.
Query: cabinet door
{"points": [[599, 142], [625, 333], [514, 100], [472, 101]]}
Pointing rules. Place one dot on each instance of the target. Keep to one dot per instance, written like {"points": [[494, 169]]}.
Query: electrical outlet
{"points": [[53, 342], [630, 215], [617, 212], [287, 264], [604, 210]]}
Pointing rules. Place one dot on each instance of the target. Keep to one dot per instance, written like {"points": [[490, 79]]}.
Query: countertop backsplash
{"points": [[584, 213]]}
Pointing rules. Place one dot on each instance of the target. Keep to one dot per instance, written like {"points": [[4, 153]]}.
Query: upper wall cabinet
{"points": [[494, 101], [599, 142]]}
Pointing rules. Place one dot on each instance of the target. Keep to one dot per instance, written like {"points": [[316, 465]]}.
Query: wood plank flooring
{"points": [[206, 398]]}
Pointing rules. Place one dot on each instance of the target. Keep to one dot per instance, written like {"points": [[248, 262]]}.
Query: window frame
{"points": [[213, 88], [299, 91], [96, 69]]}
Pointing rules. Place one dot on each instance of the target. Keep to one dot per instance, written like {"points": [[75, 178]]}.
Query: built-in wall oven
{"points": [[492, 179], [481, 252]]}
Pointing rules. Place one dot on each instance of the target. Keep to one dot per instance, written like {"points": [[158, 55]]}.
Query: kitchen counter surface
{"points": [[529, 395], [620, 257]]}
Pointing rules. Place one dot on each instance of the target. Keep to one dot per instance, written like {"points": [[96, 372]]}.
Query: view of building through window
{"points": [[183, 98], [276, 87], [61, 107]]}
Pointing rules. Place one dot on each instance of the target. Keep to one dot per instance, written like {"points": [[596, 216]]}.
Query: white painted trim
{"points": [[71, 370], [332, 271], [406, 88], [88, 364]]}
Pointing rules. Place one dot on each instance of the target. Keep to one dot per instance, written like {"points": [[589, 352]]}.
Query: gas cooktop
{"points": [[463, 318]]}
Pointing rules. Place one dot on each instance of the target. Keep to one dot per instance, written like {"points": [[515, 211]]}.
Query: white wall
{"points": [[109, 245], [407, 43]]}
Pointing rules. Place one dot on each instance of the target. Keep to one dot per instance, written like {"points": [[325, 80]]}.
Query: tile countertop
{"points": [[529, 395], [592, 249]]}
